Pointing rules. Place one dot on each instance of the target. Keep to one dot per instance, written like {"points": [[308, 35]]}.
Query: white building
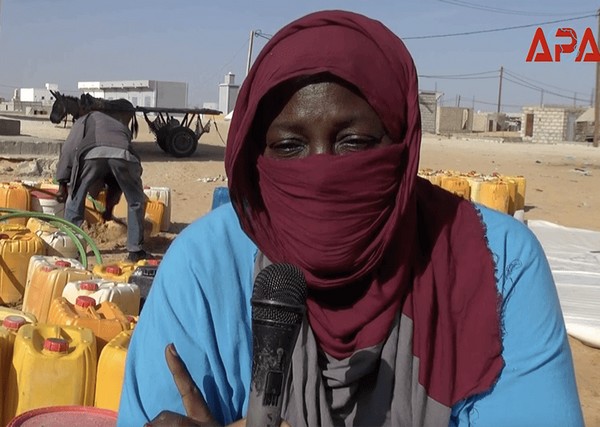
{"points": [[41, 95], [142, 93], [228, 93]]}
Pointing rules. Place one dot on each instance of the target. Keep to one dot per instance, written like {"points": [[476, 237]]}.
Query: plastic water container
{"points": [[162, 194], [457, 185], [17, 246], [475, 185], [495, 195], [512, 194], [38, 261], [111, 371], [43, 202], [143, 276], [60, 416], [7, 311], [48, 280], [57, 242], [94, 208], [51, 365], [105, 320], [220, 197], [8, 330], [125, 295], [519, 204], [117, 272], [155, 210], [15, 196]]}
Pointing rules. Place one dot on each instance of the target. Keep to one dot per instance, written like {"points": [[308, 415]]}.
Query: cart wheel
{"points": [[182, 142], [161, 139]]}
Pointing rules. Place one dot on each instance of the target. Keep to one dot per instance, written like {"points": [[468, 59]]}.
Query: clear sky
{"points": [[199, 41]]}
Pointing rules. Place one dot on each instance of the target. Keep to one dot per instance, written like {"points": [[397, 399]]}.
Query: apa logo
{"points": [[588, 48]]}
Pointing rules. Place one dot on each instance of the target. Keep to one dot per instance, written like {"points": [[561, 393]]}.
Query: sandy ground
{"points": [[563, 186]]}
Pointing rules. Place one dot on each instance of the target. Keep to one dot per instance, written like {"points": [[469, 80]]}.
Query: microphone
{"points": [[278, 306]]}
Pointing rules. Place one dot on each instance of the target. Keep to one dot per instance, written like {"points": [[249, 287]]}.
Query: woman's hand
{"points": [[196, 409], [194, 404]]}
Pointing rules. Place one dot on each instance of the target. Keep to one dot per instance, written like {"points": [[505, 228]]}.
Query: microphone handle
{"points": [[273, 345]]}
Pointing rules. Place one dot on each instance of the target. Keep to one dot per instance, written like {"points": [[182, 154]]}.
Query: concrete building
{"points": [[41, 95], [550, 124], [428, 105], [228, 93], [31, 101], [584, 126], [454, 119], [489, 122], [142, 93]]}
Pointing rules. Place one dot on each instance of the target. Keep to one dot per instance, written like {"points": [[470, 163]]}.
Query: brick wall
{"points": [[549, 124], [428, 107]]}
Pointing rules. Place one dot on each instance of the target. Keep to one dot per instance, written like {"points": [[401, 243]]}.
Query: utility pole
{"points": [[500, 89], [542, 98], [250, 52], [597, 97]]}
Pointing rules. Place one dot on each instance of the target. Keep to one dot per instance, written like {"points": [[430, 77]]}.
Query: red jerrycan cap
{"points": [[88, 286], [56, 345], [85, 301], [62, 263], [113, 269], [153, 262], [14, 322]]}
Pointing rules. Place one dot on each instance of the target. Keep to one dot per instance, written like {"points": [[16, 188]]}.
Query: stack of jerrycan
{"points": [[125, 295], [51, 366], [17, 246], [500, 192], [57, 242], [47, 278], [8, 330], [111, 371], [15, 195], [105, 319]]}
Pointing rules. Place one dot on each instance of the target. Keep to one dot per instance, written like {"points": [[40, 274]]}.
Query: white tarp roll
{"points": [[574, 257]]}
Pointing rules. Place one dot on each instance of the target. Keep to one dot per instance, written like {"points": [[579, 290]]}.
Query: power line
{"points": [[524, 78], [476, 6], [492, 30], [480, 75], [457, 78], [529, 86]]}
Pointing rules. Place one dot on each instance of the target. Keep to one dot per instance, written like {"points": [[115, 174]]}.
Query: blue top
{"points": [[200, 301]]}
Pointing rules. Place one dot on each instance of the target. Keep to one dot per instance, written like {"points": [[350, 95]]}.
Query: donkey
{"points": [[120, 109], [64, 105]]}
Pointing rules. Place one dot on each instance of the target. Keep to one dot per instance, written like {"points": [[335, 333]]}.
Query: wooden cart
{"points": [[177, 137]]}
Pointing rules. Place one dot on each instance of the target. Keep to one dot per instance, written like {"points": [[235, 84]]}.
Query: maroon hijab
{"points": [[371, 237]]}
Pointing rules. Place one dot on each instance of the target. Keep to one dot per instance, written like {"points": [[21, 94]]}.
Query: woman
{"points": [[422, 310]]}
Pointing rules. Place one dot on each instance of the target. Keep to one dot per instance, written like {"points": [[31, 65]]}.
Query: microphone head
{"points": [[279, 295]]}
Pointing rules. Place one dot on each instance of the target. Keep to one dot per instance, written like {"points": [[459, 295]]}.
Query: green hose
{"points": [[62, 224]]}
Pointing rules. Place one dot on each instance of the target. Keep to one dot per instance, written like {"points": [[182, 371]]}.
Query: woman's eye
{"points": [[286, 148], [356, 144]]}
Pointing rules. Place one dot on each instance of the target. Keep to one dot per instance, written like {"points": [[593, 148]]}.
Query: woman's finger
{"points": [[193, 401], [171, 419]]}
